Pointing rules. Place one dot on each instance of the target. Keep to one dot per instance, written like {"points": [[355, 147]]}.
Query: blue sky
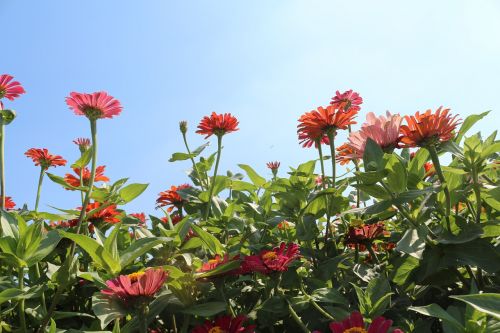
{"points": [[267, 62]]}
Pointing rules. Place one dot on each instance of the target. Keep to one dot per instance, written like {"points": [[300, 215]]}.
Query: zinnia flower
{"points": [[348, 100], [218, 124], [268, 261], [428, 128], [273, 165], [107, 215], [225, 324], [82, 143], [136, 286], [10, 89], [217, 261], [429, 169], [9, 204], [141, 217], [172, 198], [75, 181], [314, 126], [43, 158], [94, 106], [355, 324], [364, 234], [384, 130]]}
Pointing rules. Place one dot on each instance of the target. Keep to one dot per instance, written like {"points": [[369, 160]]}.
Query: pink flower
{"points": [[384, 130], [133, 286], [94, 106], [348, 100], [355, 324], [82, 143], [268, 261], [10, 89]]}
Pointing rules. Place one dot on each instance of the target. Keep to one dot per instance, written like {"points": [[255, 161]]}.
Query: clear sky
{"points": [[267, 62]]}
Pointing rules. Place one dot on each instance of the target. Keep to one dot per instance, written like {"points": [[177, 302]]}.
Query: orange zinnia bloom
{"points": [[75, 181], [108, 214], [172, 198], [345, 154], [9, 204], [218, 124], [316, 125], [43, 158], [428, 128]]}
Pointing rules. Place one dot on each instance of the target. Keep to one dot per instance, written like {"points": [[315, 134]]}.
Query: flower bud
{"points": [[183, 126]]}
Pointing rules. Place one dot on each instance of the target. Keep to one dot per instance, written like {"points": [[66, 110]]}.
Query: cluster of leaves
{"points": [[441, 276]]}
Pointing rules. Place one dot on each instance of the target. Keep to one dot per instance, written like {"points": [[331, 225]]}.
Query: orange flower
{"points": [[428, 128], [108, 214], [43, 158], [172, 198], [9, 204], [218, 124], [141, 217], [345, 153], [75, 181], [317, 124], [429, 169]]}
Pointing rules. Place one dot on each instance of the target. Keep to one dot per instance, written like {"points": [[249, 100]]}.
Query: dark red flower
{"points": [[135, 286], [225, 324], [94, 106], [355, 324], [217, 124], [141, 217], [273, 165], [428, 128], [172, 198], [108, 214], [10, 89], [268, 261], [9, 204], [75, 180], [82, 143], [44, 159], [364, 234], [348, 100]]}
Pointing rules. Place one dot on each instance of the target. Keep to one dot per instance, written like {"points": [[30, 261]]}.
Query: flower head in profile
{"points": [[43, 158], [428, 128], [82, 143], [384, 130], [364, 234], [9, 204], [108, 214], [346, 153], [10, 89], [94, 106], [273, 165], [172, 198], [268, 261], [85, 176], [314, 126], [225, 324], [429, 169], [136, 286], [141, 217], [217, 124], [355, 324], [348, 100], [217, 261]]}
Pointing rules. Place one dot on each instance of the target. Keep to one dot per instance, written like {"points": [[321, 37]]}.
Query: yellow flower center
{"points": [[355, 330], [213, 261], [269, 256], [135, 276], [216, 329]]}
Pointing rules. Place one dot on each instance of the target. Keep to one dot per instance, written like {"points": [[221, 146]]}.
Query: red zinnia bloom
{"points": [[273, 165], [82, 143], [172, 198], [75, 181], [136, 285], [348, 100], [94, 106], [108, 214], [355, 324], [225, 324], [317, 124], [218, 124], [10, 89], [141, 217], [364, 234], [43, 158], [429, 169], [428, 128], [9, 204], [276, 260], [175, 219], [216, 262]]}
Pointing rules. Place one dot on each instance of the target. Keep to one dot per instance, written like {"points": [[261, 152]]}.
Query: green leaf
{"points": [[140, 247], [9, 294], [434, 310], [220, 183], [329, 295], [132, 191], [397, 176], [468, 123], [254, 177], [84, 159], [206, 309], [403, 266], [99, 254], [184, 156], [412, 243], [107, 309], [9, 225], [60, 181], [47, 245], [211, 243], [373, 157], [488, 303], [111, 242], [229, 266]]}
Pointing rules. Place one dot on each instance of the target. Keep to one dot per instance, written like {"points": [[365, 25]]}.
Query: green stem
{"points": [[143, 320], [2, 165], [221, 288], [373, 254], [323, 183], [39, 189], [331, 138], [314, 304], [185, 323], [442, 180], [42, 296], [192, 161], [22, 318], [296, 318], [477, 193], [212, 183], [401, 209], [81, 184]]}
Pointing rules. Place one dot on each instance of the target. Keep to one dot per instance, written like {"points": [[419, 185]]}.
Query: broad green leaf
{"points": [[434, 310], [488, 303], [84, 159], [46, 246], [220, 184], [254, 176], [111, 242], [60, 180], [229, 266], [397, 176], [208, 309], [9, 225], [9, 294], [373, 157], [468, 123], [107, 309], [140, 247], [412, 243], [132, 191], [210, 242], [403, 266], [329, 295]]}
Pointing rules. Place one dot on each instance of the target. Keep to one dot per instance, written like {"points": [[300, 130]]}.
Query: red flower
{"points": [[345, 154], [428, 128], [136, 285], [348, 100], [276, 260], [175, 219], [172, 198], [218, 124], [429, 169], [317, 124], [75, 181], [364, 234], [108, 214], [225, 324], [82, 143], [273, 165], [284, 225], [216, 262], [43, 158], [355, 324], [10, 89], [141, 217], [9, 204], [94, 106]]}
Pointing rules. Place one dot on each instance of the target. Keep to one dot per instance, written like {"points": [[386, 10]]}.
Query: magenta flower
{"points": [[355, 324], [10, 89], [94, 106], [348, 100], [268, 261]]}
